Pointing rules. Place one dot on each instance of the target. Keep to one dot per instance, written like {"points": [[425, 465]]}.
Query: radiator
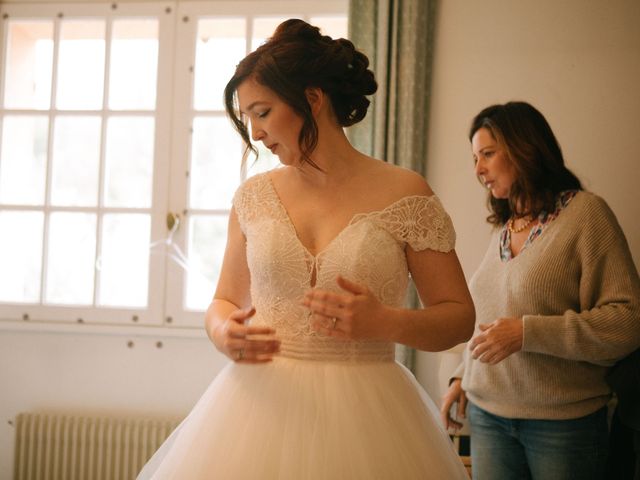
{"points": [[71, 447]]}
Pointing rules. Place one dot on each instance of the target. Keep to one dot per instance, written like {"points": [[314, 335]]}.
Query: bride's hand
{"points": [[354, 314], [242, 343]]}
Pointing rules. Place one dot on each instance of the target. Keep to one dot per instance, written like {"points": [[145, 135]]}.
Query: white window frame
{"points": [[184, 114], [57, 12], [173, 126]]}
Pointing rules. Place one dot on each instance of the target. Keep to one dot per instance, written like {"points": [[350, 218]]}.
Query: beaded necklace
{"points": [[513, 230]]}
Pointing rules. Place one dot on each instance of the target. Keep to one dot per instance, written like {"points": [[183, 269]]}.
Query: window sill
{"points": [[32, 326]]}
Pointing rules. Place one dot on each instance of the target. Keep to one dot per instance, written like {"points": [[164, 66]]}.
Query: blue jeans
{"points": [[514, 449]]}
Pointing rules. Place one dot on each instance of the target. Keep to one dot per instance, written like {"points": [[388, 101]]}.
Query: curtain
{"points": [[397, 36]]}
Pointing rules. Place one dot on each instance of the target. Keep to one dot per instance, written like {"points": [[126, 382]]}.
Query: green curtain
{"points": [[397, 36]]}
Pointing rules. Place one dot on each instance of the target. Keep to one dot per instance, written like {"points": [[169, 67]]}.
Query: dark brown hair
{"points": [[536, 157], [295, 58]]}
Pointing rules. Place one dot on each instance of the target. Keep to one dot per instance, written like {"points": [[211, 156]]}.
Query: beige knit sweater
{"points": [[578, 292]]}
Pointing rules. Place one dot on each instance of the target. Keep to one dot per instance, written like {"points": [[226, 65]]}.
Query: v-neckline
{"points": [[351, 221], [529, 244]]}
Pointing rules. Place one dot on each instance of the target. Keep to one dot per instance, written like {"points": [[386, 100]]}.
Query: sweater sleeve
{"points": [[607, 325]]}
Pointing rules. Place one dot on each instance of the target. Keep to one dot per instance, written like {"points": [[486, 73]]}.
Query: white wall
{"points": [[578, 61], [96, 372]]}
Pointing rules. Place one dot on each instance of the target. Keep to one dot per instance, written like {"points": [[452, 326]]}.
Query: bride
{"points": [[310, 299]]}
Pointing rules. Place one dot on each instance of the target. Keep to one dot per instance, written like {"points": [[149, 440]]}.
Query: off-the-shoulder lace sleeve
{"points": [[241, 202], [420, 221], [252, 197]]}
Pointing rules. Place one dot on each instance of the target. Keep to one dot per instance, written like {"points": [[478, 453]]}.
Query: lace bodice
{"points": [[370, 250]]}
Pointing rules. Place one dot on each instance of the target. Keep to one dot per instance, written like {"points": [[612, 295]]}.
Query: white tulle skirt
{"points": [[300, 419]]}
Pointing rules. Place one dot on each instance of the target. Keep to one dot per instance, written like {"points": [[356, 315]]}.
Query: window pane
{"points": [[29, 64], [216, 156], [263, 28], [134, 65], [23, 160], [71, 258], [81, 65], [266, 161], [76, 161], [335, 27], [220, 45], [129, 162], [20, 256], [207, 240], [124, 263]]}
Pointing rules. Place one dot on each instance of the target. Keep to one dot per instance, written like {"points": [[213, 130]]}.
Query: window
{"points": [[117, 162]]}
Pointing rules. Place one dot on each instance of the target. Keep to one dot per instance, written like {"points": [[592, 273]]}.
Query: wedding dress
{"points": [[324, 408]]}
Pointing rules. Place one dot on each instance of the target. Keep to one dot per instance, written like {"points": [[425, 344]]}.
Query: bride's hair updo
{"points": [[295, 58]]}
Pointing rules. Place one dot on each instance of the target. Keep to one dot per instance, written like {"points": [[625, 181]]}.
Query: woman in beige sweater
{"points": [[557, 304]]}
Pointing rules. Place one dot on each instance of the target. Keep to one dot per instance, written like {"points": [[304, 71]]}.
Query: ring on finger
{"points": [[240, 355]]}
